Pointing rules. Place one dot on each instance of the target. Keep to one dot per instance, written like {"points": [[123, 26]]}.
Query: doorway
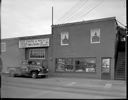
{"points": [[106, 68]]}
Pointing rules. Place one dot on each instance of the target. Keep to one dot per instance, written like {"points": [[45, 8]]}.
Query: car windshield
{"points": [[32, 63]]}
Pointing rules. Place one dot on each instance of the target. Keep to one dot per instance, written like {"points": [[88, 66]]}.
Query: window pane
{"points": [[69, 64], [90, 64], [37, 53], [80, 64], [60, 64], [106, 65]]}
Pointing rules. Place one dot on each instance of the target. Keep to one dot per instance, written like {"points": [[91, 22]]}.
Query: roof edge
{"points": [[88, 21]]}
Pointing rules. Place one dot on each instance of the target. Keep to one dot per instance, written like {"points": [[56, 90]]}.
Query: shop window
{"points": [[60, 64], [80, 64], [90, 64], [37, 53], [76, 64], [69, 64], [64, 64]]}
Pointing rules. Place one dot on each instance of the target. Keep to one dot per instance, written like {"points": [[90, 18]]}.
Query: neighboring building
{"points": [[15, 50], [88, 49]]}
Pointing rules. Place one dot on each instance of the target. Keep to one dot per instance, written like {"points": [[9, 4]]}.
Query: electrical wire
{"points": [[72, 10], [91, 9], [121, 23], [78, 11]]}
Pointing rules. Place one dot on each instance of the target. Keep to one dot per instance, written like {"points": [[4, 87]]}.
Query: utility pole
{"points": [[52, 15]]}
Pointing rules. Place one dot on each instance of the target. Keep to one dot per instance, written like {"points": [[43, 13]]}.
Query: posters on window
{"points": [[95, 35], [64, 38]]}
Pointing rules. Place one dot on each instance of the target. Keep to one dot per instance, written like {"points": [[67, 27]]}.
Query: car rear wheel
{"points": [[34, 75]]}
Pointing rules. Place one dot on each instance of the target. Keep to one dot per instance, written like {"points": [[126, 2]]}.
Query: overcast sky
{"points": [[34, 17]]}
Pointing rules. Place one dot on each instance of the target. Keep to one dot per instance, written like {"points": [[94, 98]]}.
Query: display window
{"points": [[69, 64], [84, 64], [91, 65], [60, 64], [37, 53], [80, 64]]}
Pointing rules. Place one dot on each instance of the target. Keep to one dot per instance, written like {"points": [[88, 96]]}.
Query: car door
{"points": [[24, 70]]}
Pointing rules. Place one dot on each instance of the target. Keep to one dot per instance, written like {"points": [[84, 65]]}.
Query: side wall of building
{"points": [[80, 46], [12, 55]]}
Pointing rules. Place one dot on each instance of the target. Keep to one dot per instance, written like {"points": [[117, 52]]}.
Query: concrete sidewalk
{"points": [[78, 82], [81, 86]]}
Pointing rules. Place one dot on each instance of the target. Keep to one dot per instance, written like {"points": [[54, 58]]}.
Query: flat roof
{"points": [[83, 22], [28, 37]]}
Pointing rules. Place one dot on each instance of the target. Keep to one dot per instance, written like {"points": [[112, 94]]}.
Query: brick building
{"points": [[88, 49]]}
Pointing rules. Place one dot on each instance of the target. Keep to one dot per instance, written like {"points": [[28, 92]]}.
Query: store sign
{"points": [[34, 43]]}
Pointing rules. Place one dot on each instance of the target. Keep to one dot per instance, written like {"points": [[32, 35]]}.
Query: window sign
{"points": [[90, 69], [95, 36], [3, 47], [64, 38], [106, 65]]}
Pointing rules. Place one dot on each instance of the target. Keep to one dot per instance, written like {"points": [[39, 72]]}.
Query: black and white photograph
{"points": [[63, 49]]}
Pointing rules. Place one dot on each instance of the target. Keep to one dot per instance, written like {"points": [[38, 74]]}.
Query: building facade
{"points": [[84, 49]]}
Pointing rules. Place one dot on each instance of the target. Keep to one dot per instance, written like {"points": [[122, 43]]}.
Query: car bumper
{"points": [[40, 74]]}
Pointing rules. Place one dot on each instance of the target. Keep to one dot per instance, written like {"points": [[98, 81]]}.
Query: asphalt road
{"points": [[54, 87]]}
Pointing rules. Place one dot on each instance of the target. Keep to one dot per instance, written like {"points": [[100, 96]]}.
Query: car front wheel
{"points": [[34, 75]]}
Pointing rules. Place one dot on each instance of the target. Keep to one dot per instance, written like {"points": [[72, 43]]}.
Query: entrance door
{"points": [[105, 68]]}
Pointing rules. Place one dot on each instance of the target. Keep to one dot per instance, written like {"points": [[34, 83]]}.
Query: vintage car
{"points": [[29, 68]]}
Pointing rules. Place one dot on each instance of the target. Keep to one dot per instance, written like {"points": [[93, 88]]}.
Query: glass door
{"points": [[105, 68]]}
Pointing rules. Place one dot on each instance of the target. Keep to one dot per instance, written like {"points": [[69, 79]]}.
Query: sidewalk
{"points": [[94, 87], [78, 82]]}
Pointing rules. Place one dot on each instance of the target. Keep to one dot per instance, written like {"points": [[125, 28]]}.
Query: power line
{"points": [[84, 14], [92, 9], [72, 10], [121, 23], [76, 12]]}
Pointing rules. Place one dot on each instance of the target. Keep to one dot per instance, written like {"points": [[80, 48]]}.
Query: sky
{"points": [[21, 18]]}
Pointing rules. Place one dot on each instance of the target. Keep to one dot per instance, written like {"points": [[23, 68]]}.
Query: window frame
{"points": [[44, 52]]}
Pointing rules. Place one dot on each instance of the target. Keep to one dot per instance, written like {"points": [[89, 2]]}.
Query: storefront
{"points": [[16, 50], [36, 49], [85, 49]]}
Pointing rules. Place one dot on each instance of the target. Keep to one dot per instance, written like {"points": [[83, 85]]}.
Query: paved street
{"points": [[53, 87]]}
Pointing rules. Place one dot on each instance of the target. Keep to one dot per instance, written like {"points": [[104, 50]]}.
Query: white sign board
{"points": [[34, 43]]}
